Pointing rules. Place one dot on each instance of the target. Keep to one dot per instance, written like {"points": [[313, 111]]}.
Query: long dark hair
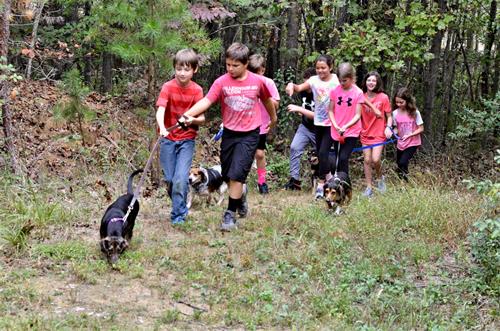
{"points": [[405, 94]]}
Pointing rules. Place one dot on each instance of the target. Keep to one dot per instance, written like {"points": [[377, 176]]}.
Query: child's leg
{"points": [[180, 180], [345, 151], [167, 161], [403, 160], [260, 157], [323, 144], [377, 160], [367, 166], [302, 137]]}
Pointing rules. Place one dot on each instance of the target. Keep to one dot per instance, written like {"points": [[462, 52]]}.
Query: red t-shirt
{"points": [[345, 102], [373, 127], [177, 100], [239, 100]]}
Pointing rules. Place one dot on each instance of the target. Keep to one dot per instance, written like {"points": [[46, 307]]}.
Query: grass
{"points": [[398, 261]]}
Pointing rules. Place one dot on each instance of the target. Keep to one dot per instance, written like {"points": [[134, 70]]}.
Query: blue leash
{"points": [[358, 149], [218, 135]]}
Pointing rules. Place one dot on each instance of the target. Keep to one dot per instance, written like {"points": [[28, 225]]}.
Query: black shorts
{"points": [[262, 141], [237, 151]]}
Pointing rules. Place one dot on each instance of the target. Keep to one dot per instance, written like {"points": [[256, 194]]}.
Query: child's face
{"points": [[261, 71], [371, 83], [346, 82], [184, 74], [235, 68], [401, 103], [322, 70]]}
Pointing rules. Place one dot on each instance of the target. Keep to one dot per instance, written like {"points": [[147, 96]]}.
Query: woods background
{"points": [[445, 51]]}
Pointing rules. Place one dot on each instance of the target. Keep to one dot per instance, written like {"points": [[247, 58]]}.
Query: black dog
{"points": [[313, 159], [115, 233], [338, 191]]}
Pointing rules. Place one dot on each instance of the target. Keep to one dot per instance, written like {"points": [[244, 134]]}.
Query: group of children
{"points": [[336, 114]]}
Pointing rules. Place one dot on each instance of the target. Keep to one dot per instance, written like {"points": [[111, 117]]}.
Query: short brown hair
{"points": [[186, 57], [346, 70], [238, 52], [255, 62]]}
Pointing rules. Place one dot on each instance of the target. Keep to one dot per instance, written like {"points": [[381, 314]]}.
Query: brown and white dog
{"points": [[338, 192], [206, 182]]}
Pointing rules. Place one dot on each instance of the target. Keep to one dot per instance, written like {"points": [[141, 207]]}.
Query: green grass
{"points": [[396, 262]]}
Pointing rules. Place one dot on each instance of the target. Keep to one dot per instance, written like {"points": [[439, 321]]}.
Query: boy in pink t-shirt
{"points": [[345, 111], [256, 65], [238, 92]]}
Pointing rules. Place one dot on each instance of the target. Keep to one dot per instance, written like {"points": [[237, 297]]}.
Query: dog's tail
{"points": [[130, 186]]}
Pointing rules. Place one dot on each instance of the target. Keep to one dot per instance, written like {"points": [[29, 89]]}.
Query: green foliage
{"points": [[74, 110], [7, 73], [287, 122], [481, 120], [485, 234]]}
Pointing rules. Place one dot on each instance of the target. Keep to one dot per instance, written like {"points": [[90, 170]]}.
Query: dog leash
{"points": [[358, 149], [146, 168]]}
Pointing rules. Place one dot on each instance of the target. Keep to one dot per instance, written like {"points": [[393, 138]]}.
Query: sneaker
{"points": [[368, 193], [243, 210], [293, 184], [382, 188], [319, 193], [178, 221], [228, 221], [263, 189]]}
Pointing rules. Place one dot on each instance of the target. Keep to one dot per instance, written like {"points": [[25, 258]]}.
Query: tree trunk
{"points": [[292, 37], [273, 53], [107, 72], [34, 35], [490, 40], [431, 76], [5, 88]]}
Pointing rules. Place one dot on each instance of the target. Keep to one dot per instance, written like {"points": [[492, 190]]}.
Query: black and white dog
{"points": [[115, 233], [337, 192], [205, 182]]}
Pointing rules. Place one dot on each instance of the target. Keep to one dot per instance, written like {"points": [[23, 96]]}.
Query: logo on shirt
{"points": [[239, 103], [306, 104], [349, 101]]}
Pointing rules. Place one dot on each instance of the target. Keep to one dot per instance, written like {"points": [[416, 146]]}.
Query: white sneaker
{"points": [[368, 193], [382, 188], [320, 194]]}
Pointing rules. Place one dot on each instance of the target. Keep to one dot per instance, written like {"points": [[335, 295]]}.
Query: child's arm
{"points": [[377, 112], [198, 120], [419, 130], [331, 116], [199, 108], [354, 119], [160, 115], [294, 88], [388, 125], [269, 104], [297, 109]]}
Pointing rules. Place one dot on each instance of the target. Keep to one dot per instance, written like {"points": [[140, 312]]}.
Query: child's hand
{"points": [[289, 89], [273, 122], [342, 129], [294, 109], [377, 112], [163, 132], [388, 133], [406, 136]]}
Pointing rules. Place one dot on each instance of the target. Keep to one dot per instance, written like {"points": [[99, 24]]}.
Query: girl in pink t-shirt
{"points": [[344, 113], [376, 123], [409, 125]]}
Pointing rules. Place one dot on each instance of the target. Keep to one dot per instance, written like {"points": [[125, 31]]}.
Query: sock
{"points": [[261, 174], [233, 204]]}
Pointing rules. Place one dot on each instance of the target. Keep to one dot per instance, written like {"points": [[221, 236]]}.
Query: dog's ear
{"points": [[105, 245], [122, 245]]}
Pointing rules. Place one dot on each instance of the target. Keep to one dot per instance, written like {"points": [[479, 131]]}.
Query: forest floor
{"points": [[400, 260]]}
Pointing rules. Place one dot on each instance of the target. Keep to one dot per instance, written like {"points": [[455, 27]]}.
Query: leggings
{"points": [[323, 144], [403, 159], [345, 151]]}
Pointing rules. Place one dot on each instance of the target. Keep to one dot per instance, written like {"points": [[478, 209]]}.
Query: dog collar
{"points": [[116, 219]]}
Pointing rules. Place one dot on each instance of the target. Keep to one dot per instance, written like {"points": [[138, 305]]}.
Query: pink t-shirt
{"points": [[345, 103], [406, 125], [373, 127], [264, 115], [239, 100]]}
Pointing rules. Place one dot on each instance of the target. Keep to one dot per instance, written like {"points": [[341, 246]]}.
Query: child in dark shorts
{"points": [[238, 92], [256, 64]]}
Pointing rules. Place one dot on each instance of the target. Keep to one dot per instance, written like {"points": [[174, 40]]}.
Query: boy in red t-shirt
{"points": [[238, 92], [177, 146]]}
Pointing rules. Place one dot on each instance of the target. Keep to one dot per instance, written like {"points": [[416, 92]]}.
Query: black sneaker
{"points": [[263, 189], [293, 185], [228, 221], [243, 209]]}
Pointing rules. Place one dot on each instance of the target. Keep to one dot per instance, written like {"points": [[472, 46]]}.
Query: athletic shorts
{"points": [[237, 151], [262, 141]]}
